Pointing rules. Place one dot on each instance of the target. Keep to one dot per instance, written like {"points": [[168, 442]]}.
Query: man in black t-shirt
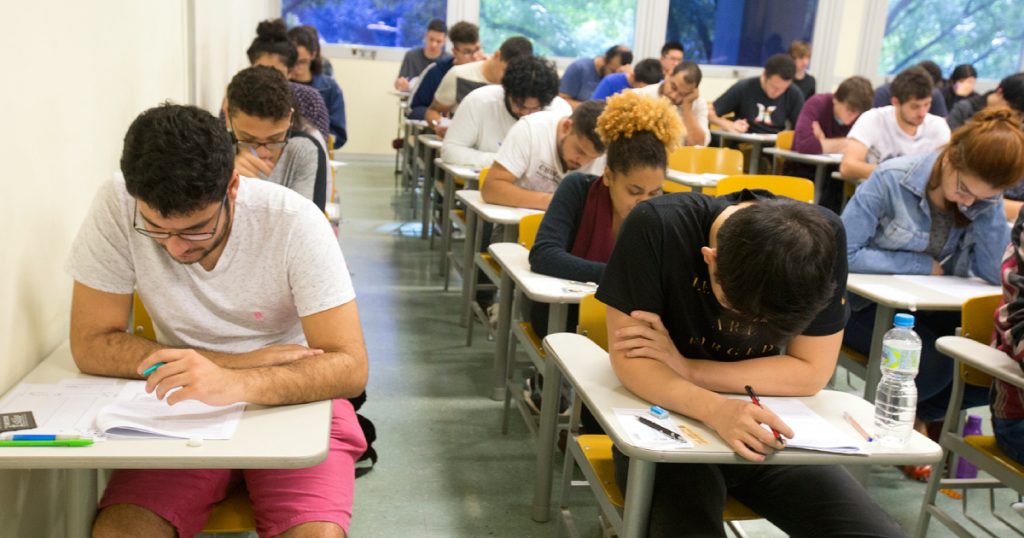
{"points": [[706, 295], [761, 104]]}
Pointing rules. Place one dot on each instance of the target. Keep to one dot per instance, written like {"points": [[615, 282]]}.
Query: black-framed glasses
{"points": [[962, 190], [248, 145], [187, 236]]}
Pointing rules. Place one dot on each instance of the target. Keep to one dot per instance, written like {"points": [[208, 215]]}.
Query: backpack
{"points": [[365, 462]]}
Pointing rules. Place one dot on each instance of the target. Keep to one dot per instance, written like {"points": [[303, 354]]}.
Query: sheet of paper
{"points": [[811, 431], [68, 407], [138, 414], [647, 437], [959, 287], [836, 156]]}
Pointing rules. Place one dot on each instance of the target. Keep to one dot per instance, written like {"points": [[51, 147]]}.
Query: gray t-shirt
{"points": [[415, 61], [942, 223], [281, 262], [296, 169]]}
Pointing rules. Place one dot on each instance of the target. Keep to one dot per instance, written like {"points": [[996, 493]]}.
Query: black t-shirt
{"points": [[748, 101], [806, 85], [657, 267]]}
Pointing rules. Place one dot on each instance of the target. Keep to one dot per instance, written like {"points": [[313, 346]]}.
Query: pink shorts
{"points": [[281, 498]]}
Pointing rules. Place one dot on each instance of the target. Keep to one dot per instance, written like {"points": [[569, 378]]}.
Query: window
{"points": [[952, 32], [739, 32], [564, 28], [382, 23]]}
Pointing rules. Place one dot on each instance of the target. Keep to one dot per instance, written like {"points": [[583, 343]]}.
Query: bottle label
{"points": [[894, 358]]}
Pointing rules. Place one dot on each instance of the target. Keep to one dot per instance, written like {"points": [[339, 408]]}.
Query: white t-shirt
{"points": [[878, 130], [699, 107], [447, 91], [477, 131], [530, 152], [281, 262]]}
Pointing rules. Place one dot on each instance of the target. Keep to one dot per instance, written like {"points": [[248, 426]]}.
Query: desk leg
{"points": [[446, 225], [428, 187], [80, 502], [638, 498], [548, 421], [883, 319], [820, 178], [470, 247], [501, 358], [755, 158]]}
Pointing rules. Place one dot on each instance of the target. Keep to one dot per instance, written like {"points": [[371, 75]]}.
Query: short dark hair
{"points": [[961, 72], [177, 159], [621, 52], [308, 38], [1013, 91], [262, 92], [693, 73], [933, 71], [272, 38], [856, 93], [437, 25], [515, 47], [672, 45], [648, 71], [781, 65], [775, 263], [464, 32], [584, 122], [911, 83], [531, 76]]}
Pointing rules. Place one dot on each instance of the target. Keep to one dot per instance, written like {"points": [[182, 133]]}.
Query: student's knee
{"points": [[130, 520], [314, 529]]}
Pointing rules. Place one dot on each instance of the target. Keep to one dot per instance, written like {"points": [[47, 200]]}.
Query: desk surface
{"points": [[515, 260], [693, 180], [430, 140], [498, 214], [422, 124], [748, 137], [918, 292], [808, 158], [588, 369], [458, 170], [983, 357], [279, 437]]}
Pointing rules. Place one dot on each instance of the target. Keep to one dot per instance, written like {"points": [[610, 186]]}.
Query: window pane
{"points": [[567, 28], [951, 32], [384, 23], [739, 32]]}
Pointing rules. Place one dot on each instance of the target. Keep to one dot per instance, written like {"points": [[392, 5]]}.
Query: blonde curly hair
{"points": [[630, 112]]}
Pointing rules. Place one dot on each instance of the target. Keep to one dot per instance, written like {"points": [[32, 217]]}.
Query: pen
{"points": [[757, 402], [661, 429], [856, 425], [60, 442], [152, 369], [42, 437]]}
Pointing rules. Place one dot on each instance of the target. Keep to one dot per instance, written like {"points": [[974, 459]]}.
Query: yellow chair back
{"points": [[796, 188], [784, 140], [592, 323], [672, 186], [528, 227], [977, 321], [697, 160], [483, 177], [142, 324]]}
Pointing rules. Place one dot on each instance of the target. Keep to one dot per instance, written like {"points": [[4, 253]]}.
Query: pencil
{"points": [[856, 425]]}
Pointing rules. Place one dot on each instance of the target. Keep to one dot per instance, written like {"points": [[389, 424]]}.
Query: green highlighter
{"points": [[56, 442]]}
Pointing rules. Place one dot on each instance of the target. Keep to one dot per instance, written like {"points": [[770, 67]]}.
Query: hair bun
{"points": [[996, 114], [272, 30], [630, 112]]}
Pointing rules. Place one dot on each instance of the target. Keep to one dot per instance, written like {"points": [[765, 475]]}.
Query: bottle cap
{"points": [[904, 320]]}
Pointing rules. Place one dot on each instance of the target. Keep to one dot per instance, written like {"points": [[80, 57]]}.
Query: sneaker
{"points": [[920, 473], [492, 316], [532, 390]]}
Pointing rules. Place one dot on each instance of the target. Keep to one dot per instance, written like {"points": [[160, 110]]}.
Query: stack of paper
{"points": [[138, 414], [810, 430]]}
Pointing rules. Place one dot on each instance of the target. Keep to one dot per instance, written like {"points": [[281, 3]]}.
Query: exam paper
{"points": [[647, 437], [69, 407], [137, 414], [811, 431]]}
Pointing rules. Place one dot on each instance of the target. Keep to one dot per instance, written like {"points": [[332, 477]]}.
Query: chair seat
{"points": [[233, 514], [531, 335], [486, 258], [987, 445]]}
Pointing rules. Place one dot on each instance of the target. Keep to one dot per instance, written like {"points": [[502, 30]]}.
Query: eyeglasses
{"points": [[251, 146], [467, 51], [521, 108], [962, 190], [187, 236]]}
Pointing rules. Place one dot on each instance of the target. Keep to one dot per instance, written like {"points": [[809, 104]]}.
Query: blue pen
{"points": [[42, 437], [152, 369]]}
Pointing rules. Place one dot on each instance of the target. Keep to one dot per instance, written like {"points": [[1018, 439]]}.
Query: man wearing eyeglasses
{"points": [[465, 38], [252, 302]]}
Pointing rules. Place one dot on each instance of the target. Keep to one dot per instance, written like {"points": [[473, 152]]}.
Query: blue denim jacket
{"points": [[888, 222]]}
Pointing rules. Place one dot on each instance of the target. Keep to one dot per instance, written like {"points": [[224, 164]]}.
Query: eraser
{"points": [[658, 412], [195, 441]]}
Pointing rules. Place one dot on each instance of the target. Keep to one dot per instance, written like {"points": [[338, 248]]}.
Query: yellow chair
{"points": [[796, 188], [234, 513], [703, 160], [784, 140], [528, 227], [977, 364]]}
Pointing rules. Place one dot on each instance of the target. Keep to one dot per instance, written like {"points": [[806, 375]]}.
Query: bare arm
{"points": [[695, 132], [568, 99], [738, 126], [433, 117], [854, 164], [500, 189], [1012, 208], [402, 84], [833, 145]]}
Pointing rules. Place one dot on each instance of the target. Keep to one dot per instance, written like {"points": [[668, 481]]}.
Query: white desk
{"points": [[697, 182], [410, 149], [447, 191], [897, 292], [821, 163], [430, 145], [587, 368], [282, 437], [756, 141]]}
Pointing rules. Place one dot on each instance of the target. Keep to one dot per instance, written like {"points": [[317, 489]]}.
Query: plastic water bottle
{"points": [[896, 398], [964, 468]]}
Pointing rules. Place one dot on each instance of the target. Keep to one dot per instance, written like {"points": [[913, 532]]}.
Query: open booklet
{"points": [[137, 414]]}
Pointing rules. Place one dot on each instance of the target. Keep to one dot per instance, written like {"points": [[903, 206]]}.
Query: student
{"points": [[465, 37], [905, 127], [824, 122], [761, 104], [539, 151], [939, 213], [576, 237], [883, 93], [582, 76], [960, 85], [487, 114], [417, 59], [645, 73], [682, 88], [672, 54], [1007, 400], [205, 250], [308, 70], [271, 141], [703, 295], [273, 49], [800, 51], [463, 79], [1009, 92]]}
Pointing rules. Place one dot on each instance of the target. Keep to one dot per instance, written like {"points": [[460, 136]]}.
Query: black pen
{"points": [[661, 429]]}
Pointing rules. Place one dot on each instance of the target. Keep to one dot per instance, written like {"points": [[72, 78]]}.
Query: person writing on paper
{"points": [[762, 104], [578, 232], [703, 296], [252, 302], [417, 59]]}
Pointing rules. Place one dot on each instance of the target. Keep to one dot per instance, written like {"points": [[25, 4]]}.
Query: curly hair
{"points": [[272, 38], [639, 131], [260, 91], [531, 76], [177, 159]]}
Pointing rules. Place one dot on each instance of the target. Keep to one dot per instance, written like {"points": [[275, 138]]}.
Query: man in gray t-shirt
{"points": [[417, 59]]}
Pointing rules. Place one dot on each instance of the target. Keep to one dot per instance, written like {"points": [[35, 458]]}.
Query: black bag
{"points": [[370, 432]]}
